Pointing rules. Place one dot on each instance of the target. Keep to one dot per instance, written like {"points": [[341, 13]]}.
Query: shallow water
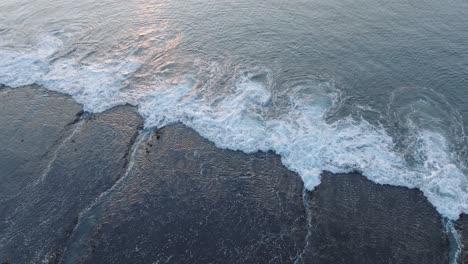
{"points": [[372, 86]]}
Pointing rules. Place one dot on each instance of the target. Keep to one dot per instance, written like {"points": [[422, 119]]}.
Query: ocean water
{"points": [[379, 87]]}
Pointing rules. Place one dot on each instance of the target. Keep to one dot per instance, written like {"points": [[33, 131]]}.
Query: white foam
{"points": [[96, 86], [242, 120], [308, 145]]}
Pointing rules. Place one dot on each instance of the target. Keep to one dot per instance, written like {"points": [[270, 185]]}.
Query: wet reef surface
{"points": [[98, 188]]}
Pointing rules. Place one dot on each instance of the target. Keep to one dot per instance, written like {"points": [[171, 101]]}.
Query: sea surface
{"points": [[378, 87]]}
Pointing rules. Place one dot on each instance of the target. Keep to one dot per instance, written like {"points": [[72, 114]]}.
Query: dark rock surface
{"points": [[186, 201], [370, 223], [80, 188], [56, 165], [32, 122], [463, 231]]}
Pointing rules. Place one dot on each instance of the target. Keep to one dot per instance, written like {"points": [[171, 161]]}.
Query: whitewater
{"points": [[237, 108]]}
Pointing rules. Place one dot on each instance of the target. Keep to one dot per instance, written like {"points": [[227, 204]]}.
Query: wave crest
{"points": [[250, 116]]}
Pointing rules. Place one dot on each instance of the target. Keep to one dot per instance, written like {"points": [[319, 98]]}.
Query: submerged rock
{"points": [[32, 122], [354, 220], [463, 231], [186, 201], [54, 165]]}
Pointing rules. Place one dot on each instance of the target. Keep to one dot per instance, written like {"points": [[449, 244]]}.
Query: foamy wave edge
{"points": [[306, 143]]}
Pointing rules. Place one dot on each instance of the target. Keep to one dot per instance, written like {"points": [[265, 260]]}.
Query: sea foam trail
{"points": [[245, 118]]}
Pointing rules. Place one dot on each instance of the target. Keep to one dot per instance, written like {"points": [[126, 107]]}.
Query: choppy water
{"points": [[340, 85]]}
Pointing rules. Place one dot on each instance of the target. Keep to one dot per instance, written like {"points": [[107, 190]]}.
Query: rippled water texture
{"points": [[371, 86]]}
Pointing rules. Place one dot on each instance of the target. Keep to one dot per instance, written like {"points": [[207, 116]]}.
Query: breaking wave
{"points": [[237, 108]]}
